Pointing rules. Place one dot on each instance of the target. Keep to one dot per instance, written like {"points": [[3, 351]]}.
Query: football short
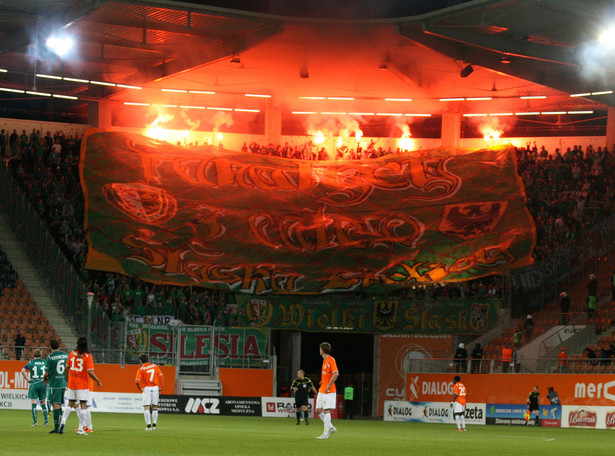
{"points": [[300, 402], [458, 408], [325, 401], [38, 391], [56, 395], [533, 407], [150, 395], [78, 395]]}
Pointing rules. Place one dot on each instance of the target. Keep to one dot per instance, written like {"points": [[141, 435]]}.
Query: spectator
{"points": [[590, 355], [507, 357], [528, 328], [517, 360], [591, 306], [562, 361], [592, 295], [517, 336], [605, 356], [564, 307], [592, 286], [461, 359], [20, 342], [477, 359], [552, 396]]}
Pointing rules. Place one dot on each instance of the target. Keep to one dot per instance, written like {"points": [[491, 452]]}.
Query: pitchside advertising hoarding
{"points": [[588, 417], [101, 402], [513, 415], [431, 412], [283, 407], [582, 389]]}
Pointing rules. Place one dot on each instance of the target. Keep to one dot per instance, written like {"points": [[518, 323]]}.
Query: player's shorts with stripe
{"points": [[37, 391], [325, 401], [150, 395], [82, 395], [56, 395]]}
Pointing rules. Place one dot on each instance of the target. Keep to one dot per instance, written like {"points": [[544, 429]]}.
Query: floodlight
{"points": [[60, 45]]}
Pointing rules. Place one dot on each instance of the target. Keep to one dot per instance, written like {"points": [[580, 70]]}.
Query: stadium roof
{"points": [[526, 55]]}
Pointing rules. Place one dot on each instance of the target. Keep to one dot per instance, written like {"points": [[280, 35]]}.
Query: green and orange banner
{"points": [[257, 224]]}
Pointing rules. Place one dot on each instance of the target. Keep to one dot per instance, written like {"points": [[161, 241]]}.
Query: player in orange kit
{"points": [[79, 370], [459, 404], [325, 401], [150, 382]]}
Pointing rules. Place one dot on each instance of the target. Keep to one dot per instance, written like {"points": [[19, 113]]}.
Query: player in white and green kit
{"points": [[37, 389], [55, 366]]}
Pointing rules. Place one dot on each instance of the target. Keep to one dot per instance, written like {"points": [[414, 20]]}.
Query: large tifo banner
{"points": [[363, 315], [235, 347], [258, 224]]}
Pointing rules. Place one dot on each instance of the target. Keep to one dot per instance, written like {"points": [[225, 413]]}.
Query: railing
{"points": [[542, 282], [573, 323], [10, 352], [62, 278], [497, 366]]}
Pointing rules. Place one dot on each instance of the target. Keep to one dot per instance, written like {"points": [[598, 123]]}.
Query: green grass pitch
{"points": [[125, 435]]}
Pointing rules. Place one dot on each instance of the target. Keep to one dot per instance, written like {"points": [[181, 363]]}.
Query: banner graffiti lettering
{"points": [[234, 347], [261, 225], [379, 316]]}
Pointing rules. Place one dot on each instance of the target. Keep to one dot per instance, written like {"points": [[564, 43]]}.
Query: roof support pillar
{"points": [[451, 129], [273, 123], [99, 114]]}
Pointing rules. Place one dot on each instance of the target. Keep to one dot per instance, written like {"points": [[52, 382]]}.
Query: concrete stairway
{"points": [[34, 281]]}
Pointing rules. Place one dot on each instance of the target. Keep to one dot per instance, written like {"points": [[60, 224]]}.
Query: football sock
{"points": [[81, 413], [148, 419], [463, 421], [155, 417], [65, 415], [306, 415], [298, 416], [45, 413], [34, 418], [327, 420], [88, 418], [57, 417], [458, 421]]}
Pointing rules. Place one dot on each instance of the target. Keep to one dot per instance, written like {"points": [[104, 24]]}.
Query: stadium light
{"points": [[607, 37], [60, 45]]}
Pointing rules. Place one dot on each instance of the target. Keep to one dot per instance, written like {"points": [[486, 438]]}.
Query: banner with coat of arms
{"points": [[347, 314], [265, 225]]}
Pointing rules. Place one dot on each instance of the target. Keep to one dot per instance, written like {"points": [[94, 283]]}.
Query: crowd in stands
{"points": [[311, 151], [567, 194]]}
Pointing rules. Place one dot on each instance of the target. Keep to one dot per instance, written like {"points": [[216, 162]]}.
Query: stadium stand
{"points": [[568, 193]]}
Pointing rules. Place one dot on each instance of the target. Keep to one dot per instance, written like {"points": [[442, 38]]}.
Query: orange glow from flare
{"points": [[219, 136], [406, 142], [359, 135], [155, 131], [319, 137], [491, 135]]}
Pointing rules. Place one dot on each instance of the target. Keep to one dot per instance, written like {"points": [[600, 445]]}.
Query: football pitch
{"points": [[124, 434]]}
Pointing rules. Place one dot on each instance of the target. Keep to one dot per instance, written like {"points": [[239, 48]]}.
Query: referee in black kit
{"points": [[301, 387]]}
